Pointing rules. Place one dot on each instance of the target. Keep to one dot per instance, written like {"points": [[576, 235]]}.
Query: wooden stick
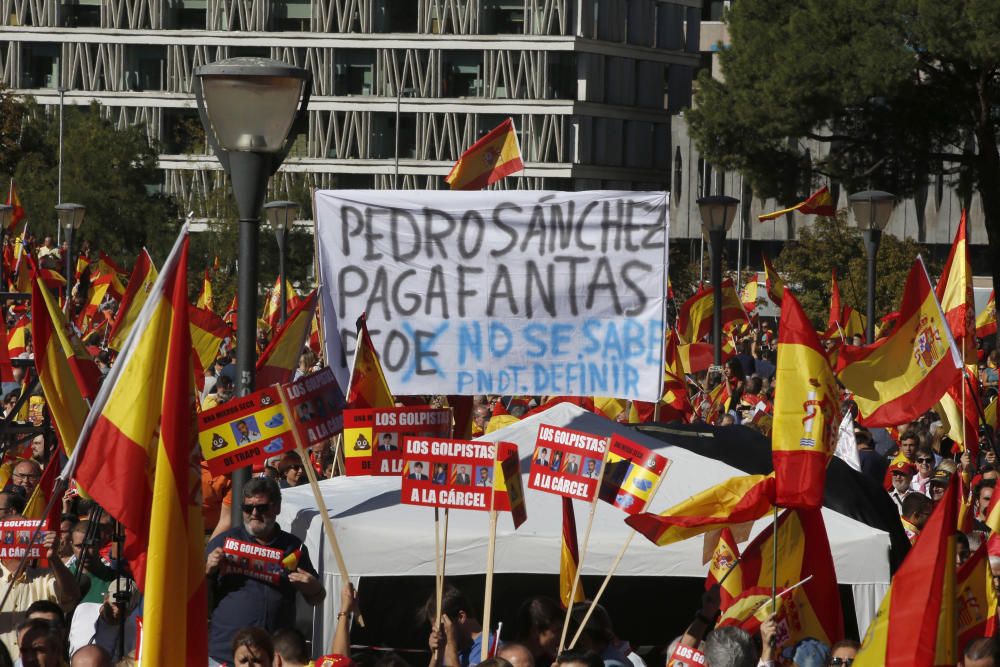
{"points": [[324, 513], [437, 563], [491, 548], [774, 559], [583, 549], [616, 562], [490, 553]]}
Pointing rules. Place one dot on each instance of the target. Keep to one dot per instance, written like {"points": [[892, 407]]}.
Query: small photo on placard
{"points": [[417, 471], [245, 431], [388, 442], [484, 476], [462, 475]]}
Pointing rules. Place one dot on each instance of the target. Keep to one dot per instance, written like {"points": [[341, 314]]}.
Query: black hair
{"points": [[263, 486]]}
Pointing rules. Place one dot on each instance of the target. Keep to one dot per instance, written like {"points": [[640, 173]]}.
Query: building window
{"points": [[145, 67], [188, 14], [182, 132], [400, 16], [291, 16], [355, 72], [502, 17], [463, 74], [561, 76], [40, 65]]}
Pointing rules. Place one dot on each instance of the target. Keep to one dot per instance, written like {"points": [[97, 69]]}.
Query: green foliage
{"points": [[12, 112], [833, 243], [110, 171]]}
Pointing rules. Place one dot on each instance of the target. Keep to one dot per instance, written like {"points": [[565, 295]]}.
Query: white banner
{"points": [[494, 292]]}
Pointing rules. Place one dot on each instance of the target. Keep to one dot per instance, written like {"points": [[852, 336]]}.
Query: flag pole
{"points": [[324, 513], [615, 563], [490, 553], [586, 542], [774, 557]]}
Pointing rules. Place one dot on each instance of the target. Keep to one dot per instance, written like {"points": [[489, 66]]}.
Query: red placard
{"points": [[373, 438], [454, 473], [685, 656], [566, 462], [316, 404], [251, 560], [15, 538]]}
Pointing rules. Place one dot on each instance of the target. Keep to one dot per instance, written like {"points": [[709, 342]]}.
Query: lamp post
{"points": [[6, 214], [248, 107], [872, 209], [281, 214], [70, 219], [717, 213]]}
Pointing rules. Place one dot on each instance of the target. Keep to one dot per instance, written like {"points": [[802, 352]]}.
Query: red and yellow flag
{"points": [[724, 567], [42, 494], [843, 321], [368, 388], [806, 411], [53, 331], [954, 292], [569, 557], [272, 306], [6, 368], [281, 357], [986, 321], [750, 294], [733, 501], [818, 203], [14, 201], [697, 357], [975, 599], [810, 610], [675, 404], [915, 624], [229, 317], [775, 285], [208, 331], [140, 283], [694, 320], [963, 426], [496, 155], [17, 339], [901, 377], [205, 299], [137, 463]]}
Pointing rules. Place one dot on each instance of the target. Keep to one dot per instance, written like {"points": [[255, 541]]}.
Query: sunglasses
{"points": [[248, 508], [925, 460], [841, 662]]}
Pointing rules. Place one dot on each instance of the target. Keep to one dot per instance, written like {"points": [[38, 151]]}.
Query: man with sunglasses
{"points": [[244, 600]]}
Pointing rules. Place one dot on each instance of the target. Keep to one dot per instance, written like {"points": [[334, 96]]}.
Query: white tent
{"points": [[368, 516]]}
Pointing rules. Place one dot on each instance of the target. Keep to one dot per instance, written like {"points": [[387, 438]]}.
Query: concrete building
{"points": [[930, 217], [591, 84]]}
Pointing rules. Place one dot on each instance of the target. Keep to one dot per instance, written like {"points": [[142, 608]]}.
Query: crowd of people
{"points": [[77, 604]]}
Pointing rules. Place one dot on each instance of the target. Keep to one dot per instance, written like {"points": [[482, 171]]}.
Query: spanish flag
{"points": [[55, 344], [697, 357], [818, 203], [40, 497], [962, 427], [733, 501], [749, 295], [208, 331], [986, 321], [494, 156], [806, 411], [205, 299], [6, 367], [675, 404], [901, 377], [368, 388], [569, 557], [843, 321], [694, 321], [229, 317], [725, 565], [14, 201], [135, 460], [954, 292], [975, 599], [140, 283], [272, 306], [915, 624], [281, 357], [775, 285], [810, 610], [17, 339]]}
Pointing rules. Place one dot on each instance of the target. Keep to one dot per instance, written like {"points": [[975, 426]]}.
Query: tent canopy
{"points": [[380, 537]]}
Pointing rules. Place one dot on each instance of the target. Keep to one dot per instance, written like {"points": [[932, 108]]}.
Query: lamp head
{"points": [[717, 212], [872, 208], [70, 215], [280, 215]]}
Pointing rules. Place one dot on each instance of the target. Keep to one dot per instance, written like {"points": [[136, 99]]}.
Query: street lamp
{"points": [[6, 215], [249, 107], [281, 215], [70, 219], [717, 213], [872, 209]]}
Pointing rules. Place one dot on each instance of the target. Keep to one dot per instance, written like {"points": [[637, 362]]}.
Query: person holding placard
{"points": [[266, 600]]}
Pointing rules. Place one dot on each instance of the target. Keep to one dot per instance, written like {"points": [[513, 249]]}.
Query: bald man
{"points": [[91, 656]]}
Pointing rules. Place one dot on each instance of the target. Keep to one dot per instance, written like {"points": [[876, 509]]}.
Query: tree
{"points": [[895, 90], [113, 172], [832, 243], [12, 112]]}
